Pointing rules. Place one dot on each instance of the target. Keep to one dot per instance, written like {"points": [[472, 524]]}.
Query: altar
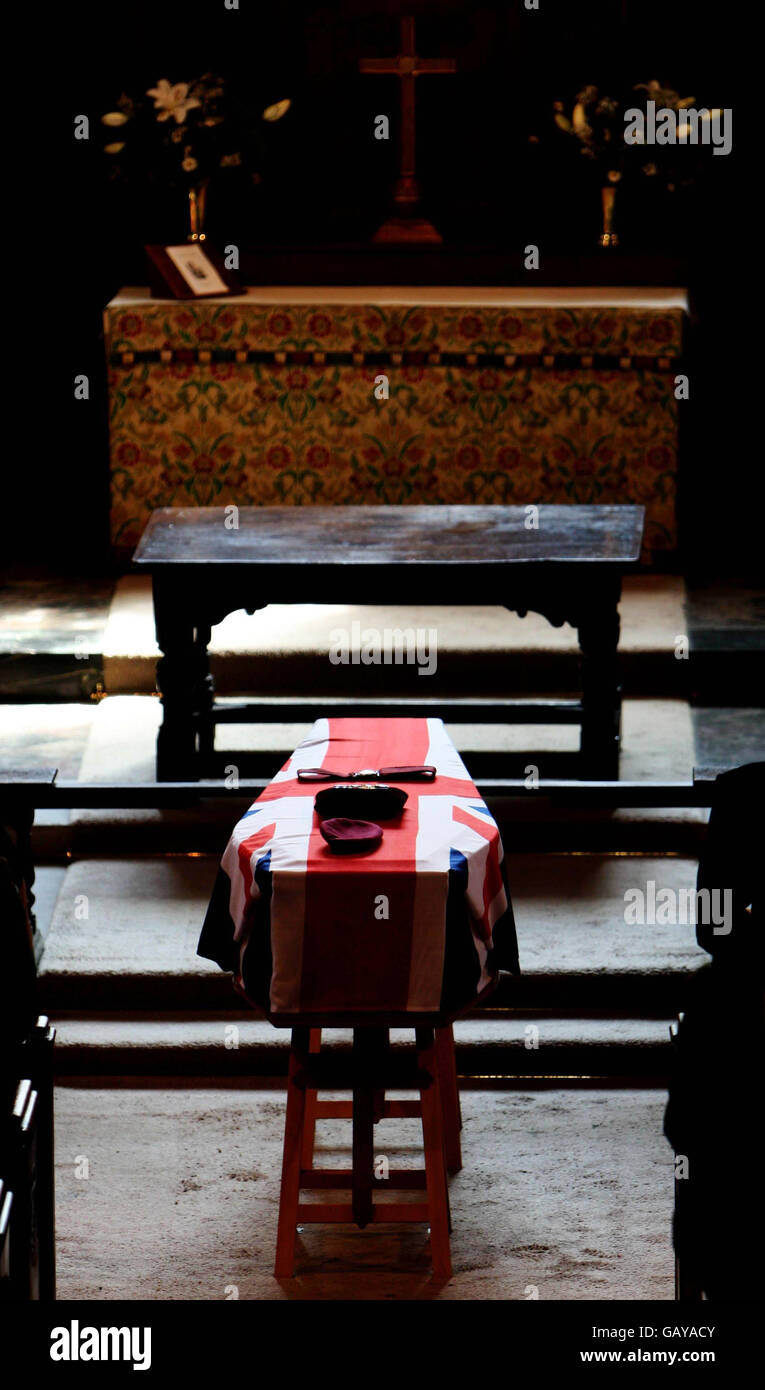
{"points": [[293, 395]]}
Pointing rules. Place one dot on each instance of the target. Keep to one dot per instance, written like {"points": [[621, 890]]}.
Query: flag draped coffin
{"points": [[421, 924]]}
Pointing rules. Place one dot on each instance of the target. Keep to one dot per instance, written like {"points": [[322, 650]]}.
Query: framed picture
{"points": [[191, 270]]}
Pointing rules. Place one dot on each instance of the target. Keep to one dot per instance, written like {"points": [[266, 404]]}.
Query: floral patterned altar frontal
{"points": [[421, 924], [493, 396]]}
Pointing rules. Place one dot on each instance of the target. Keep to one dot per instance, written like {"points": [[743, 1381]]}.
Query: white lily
{"points": [[172, 100], [279, 109], [579, 120]]}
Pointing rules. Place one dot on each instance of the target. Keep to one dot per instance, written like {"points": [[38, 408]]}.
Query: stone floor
{"points": [[728, 737], [564, 1195], [51, 637]]}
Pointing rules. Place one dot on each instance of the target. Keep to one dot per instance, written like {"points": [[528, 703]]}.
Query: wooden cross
{"points": [[407, 226]]}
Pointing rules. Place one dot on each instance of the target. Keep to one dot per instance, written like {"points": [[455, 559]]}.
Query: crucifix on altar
{"points": [[407, 225]]}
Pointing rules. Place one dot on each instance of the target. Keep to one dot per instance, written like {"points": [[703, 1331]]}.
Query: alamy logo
{"points": [[679, 907], [686, 126], [389, 647], [75, 1343]]}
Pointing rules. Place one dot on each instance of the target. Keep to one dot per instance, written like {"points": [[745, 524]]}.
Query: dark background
{"points": [[325, 188]]}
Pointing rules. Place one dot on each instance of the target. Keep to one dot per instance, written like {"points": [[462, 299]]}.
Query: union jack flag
{"points": [[422, 924]]}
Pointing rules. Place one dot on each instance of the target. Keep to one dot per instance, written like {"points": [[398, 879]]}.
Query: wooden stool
{"points": [[368, 1073]]}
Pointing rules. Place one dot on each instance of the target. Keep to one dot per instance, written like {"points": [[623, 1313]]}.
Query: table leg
{"points": [[450, 1097], [204, 700], [598, 629], [435, 1164], [289, 1196], [185, 685], [367, 1051], [311, 1103]]}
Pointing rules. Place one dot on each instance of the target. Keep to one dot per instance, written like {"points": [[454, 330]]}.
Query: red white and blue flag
{"points": [[421, 924]]}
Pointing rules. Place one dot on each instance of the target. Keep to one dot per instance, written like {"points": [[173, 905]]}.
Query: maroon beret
{"points": [[351, 836]]}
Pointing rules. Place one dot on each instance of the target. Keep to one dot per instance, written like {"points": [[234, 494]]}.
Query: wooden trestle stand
{"points": [[369, 1072]]}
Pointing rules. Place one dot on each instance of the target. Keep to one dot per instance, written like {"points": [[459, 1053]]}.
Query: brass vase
{"points": [[608, 236], [197, 206]]}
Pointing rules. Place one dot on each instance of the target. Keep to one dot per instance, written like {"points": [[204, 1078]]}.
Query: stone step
{"points": [[233, 1047], [124, 936], [657, 745], [286, 646]]}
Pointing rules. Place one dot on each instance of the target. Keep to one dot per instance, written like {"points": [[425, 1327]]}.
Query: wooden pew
{"points": [[27, 1223]]}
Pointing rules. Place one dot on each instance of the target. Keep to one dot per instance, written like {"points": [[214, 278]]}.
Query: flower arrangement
{"points": [[182, 134], [597, 122]]}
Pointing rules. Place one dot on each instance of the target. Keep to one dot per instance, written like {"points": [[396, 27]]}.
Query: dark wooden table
{"points": [[569, 569]]}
